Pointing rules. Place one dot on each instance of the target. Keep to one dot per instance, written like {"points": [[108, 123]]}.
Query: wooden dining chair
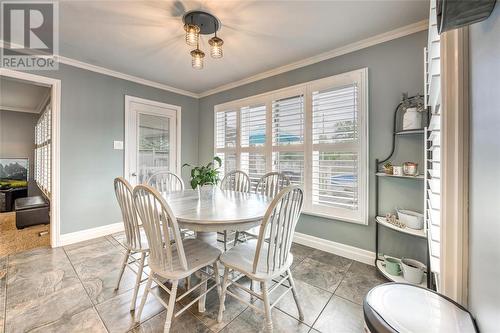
{"points": [[271, 259], [165, 181], [269, 185], [175, 260], [135, 241], [238, 181]]}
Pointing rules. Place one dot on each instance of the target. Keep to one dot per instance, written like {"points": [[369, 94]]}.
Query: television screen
{"points": [[14, 172]]}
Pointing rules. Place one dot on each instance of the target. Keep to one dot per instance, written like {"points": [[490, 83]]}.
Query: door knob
{"points": [[134, 174]]}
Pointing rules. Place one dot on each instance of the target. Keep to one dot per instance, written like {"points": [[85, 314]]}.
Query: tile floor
{"points": [[71, 289]]}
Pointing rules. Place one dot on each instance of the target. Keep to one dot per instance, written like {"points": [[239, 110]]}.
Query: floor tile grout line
{"points": [[85, 289], [331, 297], [225, 326]]}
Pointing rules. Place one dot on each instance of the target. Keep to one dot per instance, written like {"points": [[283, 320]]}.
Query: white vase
{"points": [[412, 119], [206, 191]]}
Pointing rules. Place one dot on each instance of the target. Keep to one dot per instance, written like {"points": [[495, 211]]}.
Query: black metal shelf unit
{"points": [[378, 162]]}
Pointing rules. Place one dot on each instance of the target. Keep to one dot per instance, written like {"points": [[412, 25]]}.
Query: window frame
{"points": [[360, 76]]}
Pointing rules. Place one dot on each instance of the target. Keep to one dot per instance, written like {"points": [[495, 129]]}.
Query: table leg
{"points": [[210, 238], [207, 237]]}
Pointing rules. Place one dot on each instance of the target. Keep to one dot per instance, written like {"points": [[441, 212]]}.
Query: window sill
{"points": [[331, 217]]}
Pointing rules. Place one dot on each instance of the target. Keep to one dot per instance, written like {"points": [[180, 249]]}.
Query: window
{"points": [[43, 151], [316, 133]]}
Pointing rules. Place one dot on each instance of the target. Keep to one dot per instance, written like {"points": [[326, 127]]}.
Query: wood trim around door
{"points": [[455, 165], [55, 197], [128, 100]]}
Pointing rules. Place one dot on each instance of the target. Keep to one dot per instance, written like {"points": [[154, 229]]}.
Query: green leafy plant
{"points": [[205, 174]]}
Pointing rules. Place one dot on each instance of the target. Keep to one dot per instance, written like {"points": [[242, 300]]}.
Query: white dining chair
{"points": [[165, 181], [175, 260], [271, 259], [269, 185], [135, 241], [238, 181]]}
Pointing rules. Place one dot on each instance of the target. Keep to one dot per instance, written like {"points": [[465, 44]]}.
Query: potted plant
{"points": [[388, 168], [205, 177]]}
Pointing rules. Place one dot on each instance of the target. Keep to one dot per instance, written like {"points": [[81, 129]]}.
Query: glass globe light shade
{"points": [[216, 47], [192, 34], [197, 59]]}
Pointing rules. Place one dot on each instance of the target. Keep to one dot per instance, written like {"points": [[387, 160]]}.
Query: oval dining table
{"points": [[216, 210], [220, 210]]}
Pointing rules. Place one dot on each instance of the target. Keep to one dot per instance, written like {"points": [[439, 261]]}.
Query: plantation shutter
{"points": [[336, 150], [288, 119], [226, 139], [253, 141], [43, 152], [433, 145], [253, 126], [315, 133]]}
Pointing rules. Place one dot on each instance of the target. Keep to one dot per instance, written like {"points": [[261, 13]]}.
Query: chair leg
{"points": [[138, 280], [171, 306], [225, 240], [217, 279], [144, 297], [236, 237], [223, 295], [295, 296], [202, 300], [267, 307], [124, 264]]}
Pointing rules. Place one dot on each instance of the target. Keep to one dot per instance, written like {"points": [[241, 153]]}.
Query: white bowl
{"points": [[411, 219], [413, 270]]}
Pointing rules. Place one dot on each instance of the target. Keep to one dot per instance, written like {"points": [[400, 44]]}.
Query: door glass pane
{"points": [[153, 145]]}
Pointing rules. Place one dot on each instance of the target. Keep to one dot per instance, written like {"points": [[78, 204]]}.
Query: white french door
{"points": [[151, 138]]}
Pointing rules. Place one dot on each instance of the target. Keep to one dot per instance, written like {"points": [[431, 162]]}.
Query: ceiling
{"points": [[146, 38], [21, 96]]}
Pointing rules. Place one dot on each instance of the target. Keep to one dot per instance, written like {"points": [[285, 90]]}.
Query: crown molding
{"points": [[44, 101], [356, 46], [17, 109], [120, 75]]}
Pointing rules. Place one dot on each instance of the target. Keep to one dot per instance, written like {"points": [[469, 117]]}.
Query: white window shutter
{"points": [[335, 167]]}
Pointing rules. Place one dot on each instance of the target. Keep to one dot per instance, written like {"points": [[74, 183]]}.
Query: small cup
{"points": [[410, 168], [397, 170], [392, 266]]}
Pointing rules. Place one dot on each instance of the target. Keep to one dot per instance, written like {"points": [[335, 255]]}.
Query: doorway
{"points": [[32, 216], [152, 138]]}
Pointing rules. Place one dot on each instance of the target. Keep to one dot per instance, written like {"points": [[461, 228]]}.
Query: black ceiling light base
{"points": [[207, 23]]}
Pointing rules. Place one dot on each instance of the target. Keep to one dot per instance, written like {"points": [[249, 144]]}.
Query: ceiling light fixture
{"points": [[197, 58], [192, 34], [199, 22]]}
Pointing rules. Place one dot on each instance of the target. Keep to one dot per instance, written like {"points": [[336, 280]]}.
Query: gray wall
{"points": [[92, 116], [394, 67], [17, 136], [484, 260]]}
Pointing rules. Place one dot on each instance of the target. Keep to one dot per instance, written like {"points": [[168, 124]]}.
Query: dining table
{"points": [[207, 212]]}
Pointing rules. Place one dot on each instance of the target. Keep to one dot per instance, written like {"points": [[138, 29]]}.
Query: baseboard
{"points": [[340, 249], [83, 235]]}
